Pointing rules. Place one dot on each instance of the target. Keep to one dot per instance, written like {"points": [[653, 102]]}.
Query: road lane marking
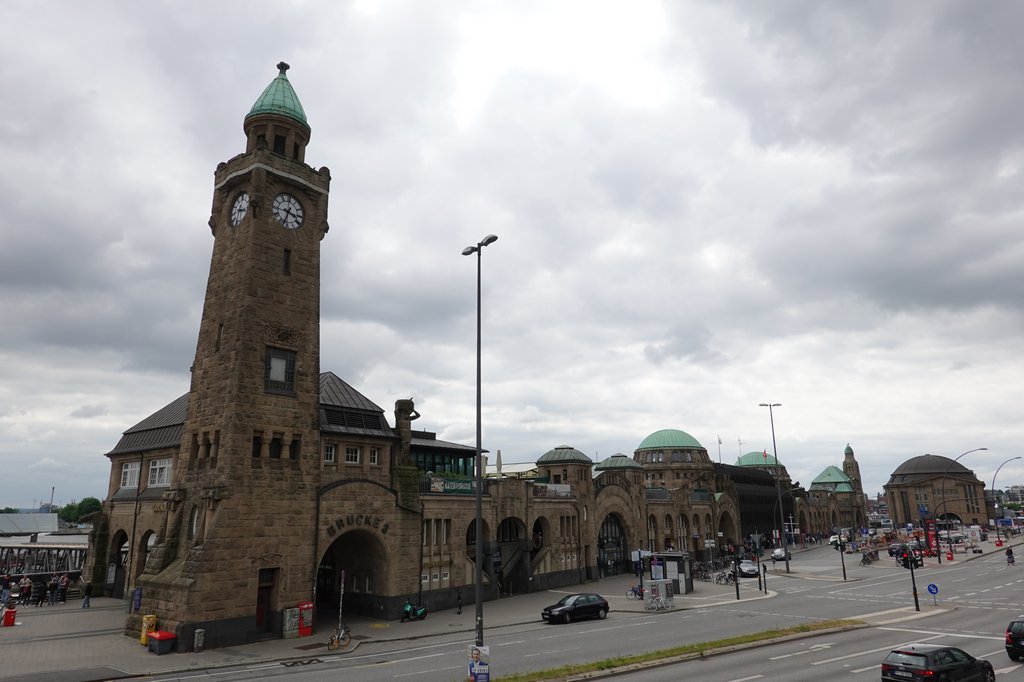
{"points": [[874, 651]]}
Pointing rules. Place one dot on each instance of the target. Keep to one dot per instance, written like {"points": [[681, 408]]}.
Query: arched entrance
{"points": [[363, 558], [117, 564], [511, 557], [612, 548]]}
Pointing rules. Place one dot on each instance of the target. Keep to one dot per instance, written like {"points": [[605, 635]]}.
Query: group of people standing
{"points": [[53, 591]]}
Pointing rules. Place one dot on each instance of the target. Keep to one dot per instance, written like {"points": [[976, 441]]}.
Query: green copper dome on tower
{"points": [[279, 98]]}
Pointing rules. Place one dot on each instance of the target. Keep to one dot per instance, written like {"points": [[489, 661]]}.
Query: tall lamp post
{"points": [[994, 491], [478, 482], [938, 545], [778, 484]]}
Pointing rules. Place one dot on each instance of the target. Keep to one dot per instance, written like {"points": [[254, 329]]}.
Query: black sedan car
{"points": [[1015, 638], [575, 606], [926, 662]]}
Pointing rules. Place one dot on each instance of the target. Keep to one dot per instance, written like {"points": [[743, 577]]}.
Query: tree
{"points": [[88, 505], [69, 512]]}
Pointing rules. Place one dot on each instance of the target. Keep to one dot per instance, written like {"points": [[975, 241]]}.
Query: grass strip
{"points": [[692, 649]]}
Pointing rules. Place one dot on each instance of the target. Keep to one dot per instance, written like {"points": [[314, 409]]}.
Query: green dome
{"points": [[564, 453], [848, 450], [669, 438], [279, 98], [618, 461], [757, 459]]}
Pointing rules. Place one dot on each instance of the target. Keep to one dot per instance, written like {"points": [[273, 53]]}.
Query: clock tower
{"points": [[236, 548]]}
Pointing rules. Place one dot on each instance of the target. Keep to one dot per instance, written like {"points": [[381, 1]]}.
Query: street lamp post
{"points": [[994, 489], [778, 484], [478, 478], [938, 545]]}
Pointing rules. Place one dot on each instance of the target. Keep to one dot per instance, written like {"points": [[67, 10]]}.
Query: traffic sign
{"points": [[933, 588]]}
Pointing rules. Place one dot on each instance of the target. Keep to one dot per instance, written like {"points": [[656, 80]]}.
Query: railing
{"points": [[37, 559]]}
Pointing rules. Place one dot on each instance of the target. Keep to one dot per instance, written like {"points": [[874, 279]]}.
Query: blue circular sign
{"points": [[933, 589]]}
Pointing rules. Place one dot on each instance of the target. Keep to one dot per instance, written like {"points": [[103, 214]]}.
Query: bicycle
{"points": [[635, 592], [865, 559], [342, 637], [658, 604]]}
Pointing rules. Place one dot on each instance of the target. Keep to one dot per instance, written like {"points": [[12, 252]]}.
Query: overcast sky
{"points": [[701, 206]]}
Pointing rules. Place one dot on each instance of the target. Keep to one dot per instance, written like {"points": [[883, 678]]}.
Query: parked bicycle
{"points": [[725, 578], [658, 604], [635, 592], [342, 637]]}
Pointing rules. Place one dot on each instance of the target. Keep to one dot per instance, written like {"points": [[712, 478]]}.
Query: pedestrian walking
{"points": [[5, 589], [85, 594]]}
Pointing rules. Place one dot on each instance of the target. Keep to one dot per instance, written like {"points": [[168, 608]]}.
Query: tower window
{"points": [[279, 371], [279, 144], [257, 444], [286, 265], [295, 151], [276, 444], [293, 449], [330, 454]]}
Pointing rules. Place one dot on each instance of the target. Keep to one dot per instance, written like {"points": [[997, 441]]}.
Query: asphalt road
{"points": [[975, 600]]}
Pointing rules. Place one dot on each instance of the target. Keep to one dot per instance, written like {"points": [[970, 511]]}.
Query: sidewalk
{"points": [[70, 644]]}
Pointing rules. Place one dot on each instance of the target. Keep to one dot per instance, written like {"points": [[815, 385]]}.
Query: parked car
{"points": [[921, 662], [1015, 638], [575, 606], [748, 569], [895, 548], [781, 554]]}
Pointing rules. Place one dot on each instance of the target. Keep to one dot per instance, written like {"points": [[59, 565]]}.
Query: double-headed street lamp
{"points": [[778, 484], [994, 490], [942, 494], [478, 478]]}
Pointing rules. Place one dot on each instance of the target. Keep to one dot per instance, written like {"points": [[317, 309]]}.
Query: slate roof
{"points": [[564, 453], [618, 461], [343, 409], [162, 429]]}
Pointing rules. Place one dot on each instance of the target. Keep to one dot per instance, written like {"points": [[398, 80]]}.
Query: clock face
{"points": [[239, 208], [287, 211]]}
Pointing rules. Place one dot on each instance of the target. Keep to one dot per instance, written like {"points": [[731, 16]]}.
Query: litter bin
{"points": [[9, 615], [305, 618], [148, 626], [161, 642]]}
